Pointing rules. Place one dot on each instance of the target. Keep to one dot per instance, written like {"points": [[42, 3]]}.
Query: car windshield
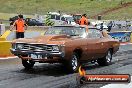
{"points": [[34, 20], [71, 31], [52, 16], [77, 17]]}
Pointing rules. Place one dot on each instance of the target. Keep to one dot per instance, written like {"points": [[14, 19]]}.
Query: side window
{"points": [[63, 19], [57, 17], [52, 16], [93, 33]]}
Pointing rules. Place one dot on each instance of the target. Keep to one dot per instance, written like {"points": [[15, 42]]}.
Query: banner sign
{"points": [[121, 36]]}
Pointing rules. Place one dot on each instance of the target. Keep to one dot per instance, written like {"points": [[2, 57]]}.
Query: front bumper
{"points": [[46, 54]]}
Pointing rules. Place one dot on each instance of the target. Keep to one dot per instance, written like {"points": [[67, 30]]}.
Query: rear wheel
{"points": [[105, 61], [73, 64], [28, 64]]}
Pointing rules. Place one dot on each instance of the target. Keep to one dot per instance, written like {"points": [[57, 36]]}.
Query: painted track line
{"points": [[125, 43], [5, 58]]}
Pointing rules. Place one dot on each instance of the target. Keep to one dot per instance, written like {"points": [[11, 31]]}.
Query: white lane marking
{"points": [[125, 43], [127, 85], [4, 58]]}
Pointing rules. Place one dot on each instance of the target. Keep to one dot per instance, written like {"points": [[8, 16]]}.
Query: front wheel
{"points": [[28, 64], [105, 61], [73, 64]]}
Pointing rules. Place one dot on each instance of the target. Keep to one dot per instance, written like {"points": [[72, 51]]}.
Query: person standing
{"points": [[109, 26], [83, 20], [20, 25], [101, 26]]}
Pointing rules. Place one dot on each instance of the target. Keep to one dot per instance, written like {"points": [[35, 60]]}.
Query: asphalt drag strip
{"points": [[13, 74]]}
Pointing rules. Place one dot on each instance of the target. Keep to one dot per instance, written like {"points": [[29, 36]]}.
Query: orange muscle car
{"points": [[70, 45]]}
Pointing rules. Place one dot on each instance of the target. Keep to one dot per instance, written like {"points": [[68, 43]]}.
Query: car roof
{"points": [[54, 13], [78, 14], [66, 15], [81, 26], [69, 26]]}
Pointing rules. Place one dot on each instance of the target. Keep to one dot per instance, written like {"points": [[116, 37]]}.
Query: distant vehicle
{"points": [[69, 45], [33, 22], [54, 17], [61, 19], [12, 19], [67, 19], [29, 21]]}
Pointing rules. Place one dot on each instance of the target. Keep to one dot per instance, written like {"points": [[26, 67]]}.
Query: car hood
{"points": [[46, 39]]}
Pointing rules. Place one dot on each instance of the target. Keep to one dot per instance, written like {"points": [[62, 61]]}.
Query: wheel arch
{"points": [[111, 50], [79, 51]]}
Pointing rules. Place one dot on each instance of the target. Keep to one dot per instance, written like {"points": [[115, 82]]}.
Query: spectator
{"points": [[110, 26], [83, 20], [101, 27]]}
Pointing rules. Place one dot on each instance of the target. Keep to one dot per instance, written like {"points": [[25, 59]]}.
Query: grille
{"points": [[37, 47]]}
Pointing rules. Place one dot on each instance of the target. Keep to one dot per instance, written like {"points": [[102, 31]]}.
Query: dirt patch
{"points": [[124, 5]]}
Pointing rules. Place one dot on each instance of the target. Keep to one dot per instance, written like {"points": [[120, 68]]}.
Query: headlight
{"points": [[55, 48], [19, 46]]}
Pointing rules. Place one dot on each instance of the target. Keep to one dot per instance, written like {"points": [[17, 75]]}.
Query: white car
{"points": [[67, 19], [55, 17], [60, 19]]}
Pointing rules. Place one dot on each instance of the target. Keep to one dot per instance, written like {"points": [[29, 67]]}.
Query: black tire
{"points": [[28, 64], [105, 61], [73, 63]]}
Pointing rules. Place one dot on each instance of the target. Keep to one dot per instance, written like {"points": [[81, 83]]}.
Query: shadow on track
{"points": [[56, 70], [47, 69]]}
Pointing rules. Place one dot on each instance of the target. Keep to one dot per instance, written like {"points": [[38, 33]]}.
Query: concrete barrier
{"points": [[4, 36], [8, 36], [39, 28], [11, 35], [5, 48]]}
